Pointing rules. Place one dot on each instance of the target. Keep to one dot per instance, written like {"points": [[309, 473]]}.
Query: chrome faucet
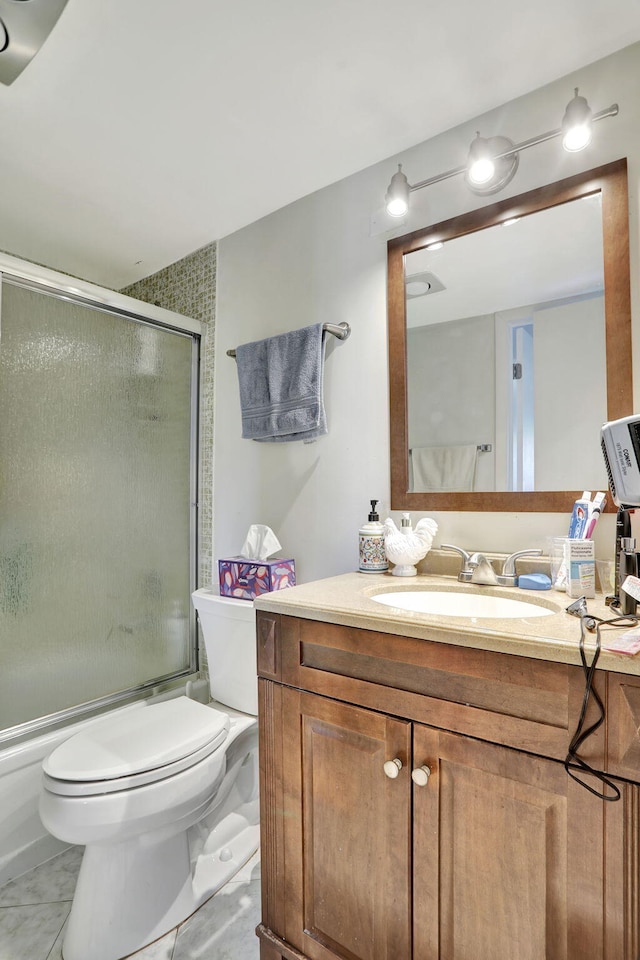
{"points": [[482, 570], [476, 568]]}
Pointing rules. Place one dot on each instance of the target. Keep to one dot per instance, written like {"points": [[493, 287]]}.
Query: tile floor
{"points": [[34, 908]]}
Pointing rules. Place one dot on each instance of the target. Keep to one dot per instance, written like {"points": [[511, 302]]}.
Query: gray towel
{"points": [[281, 386]]}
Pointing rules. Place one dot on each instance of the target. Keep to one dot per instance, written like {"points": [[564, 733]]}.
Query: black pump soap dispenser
{"points": [[372, 556]]}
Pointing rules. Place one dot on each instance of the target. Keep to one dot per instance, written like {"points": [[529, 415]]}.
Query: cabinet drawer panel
{"points": [[529, 704], [485, 692]]}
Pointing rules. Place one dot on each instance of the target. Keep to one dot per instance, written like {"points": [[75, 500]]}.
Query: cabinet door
{"points": [[347, 830], [623, 726], [508, 856]]}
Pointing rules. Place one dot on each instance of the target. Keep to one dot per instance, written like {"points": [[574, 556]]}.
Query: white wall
{"points": [[452, 368], [570, 396], [316, 260]]}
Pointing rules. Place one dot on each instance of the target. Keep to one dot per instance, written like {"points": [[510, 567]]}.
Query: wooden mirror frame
{"points": [[611, 181]]}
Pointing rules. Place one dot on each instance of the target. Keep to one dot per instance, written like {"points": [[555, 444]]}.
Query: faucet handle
{"points": [[509, 566], [463, 553], [465, 569]]}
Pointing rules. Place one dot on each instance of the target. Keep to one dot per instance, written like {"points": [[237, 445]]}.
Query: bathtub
{"points": [[24, 843]]}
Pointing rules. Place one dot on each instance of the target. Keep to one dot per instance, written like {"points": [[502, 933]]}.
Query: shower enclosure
{"points": [[98, 477]]}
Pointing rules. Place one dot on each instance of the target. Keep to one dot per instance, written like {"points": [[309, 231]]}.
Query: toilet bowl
{"points": [[163, 796]]}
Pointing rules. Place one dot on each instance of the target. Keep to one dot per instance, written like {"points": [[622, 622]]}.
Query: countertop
{"points": [[346, 600]]}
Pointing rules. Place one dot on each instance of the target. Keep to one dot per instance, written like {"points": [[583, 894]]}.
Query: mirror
{"points": [[508, 348]]}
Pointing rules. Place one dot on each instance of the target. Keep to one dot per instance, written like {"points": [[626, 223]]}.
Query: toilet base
{"points": [[127, 895], [107, 927], [134, 892]]}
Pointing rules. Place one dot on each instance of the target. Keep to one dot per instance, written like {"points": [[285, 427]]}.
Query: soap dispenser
{"points": [[373, 558]]}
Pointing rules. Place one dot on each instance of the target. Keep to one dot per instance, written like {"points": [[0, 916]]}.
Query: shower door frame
{"points": [[49, 282]]}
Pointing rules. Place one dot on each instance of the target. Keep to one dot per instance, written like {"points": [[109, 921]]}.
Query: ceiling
{"points": [[512, 266], [144, 130]]}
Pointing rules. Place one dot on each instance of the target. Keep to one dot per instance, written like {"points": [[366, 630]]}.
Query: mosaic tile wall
{"points": [[189, 287]]}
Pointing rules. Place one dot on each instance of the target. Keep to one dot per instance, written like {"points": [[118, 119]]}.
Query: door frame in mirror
{"points": [[611, 181]]}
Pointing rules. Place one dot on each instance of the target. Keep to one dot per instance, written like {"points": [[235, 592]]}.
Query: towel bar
{"points": [[339, 330], [481, 448]]}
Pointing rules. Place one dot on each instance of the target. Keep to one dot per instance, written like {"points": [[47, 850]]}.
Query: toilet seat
{"points": [[135, 748]]}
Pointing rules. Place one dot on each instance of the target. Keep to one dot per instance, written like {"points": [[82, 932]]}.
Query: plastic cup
{"points": [[557, 569], [606, 576]]}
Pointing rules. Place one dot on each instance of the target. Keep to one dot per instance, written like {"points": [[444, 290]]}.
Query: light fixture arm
{"points": [[611, 111]]}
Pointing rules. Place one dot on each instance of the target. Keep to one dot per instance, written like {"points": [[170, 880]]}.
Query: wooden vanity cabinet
{"points": [[492, 852]]}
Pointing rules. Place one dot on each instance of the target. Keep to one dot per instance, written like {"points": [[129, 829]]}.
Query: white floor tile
{"points": [[34, 908], [250, 871], [52, 881], [224, 927], [28, 933], [160, 950]]}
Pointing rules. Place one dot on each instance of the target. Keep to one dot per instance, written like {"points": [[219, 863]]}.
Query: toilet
{"points": [[162, 795]]}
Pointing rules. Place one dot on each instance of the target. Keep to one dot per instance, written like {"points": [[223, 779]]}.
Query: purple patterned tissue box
{"points": [[245, 579]]}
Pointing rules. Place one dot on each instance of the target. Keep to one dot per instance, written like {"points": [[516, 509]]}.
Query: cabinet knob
{"points": [[420, 775], [392, 768]]}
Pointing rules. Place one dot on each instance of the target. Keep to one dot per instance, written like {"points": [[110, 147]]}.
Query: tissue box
{"points": [[245, 579]]}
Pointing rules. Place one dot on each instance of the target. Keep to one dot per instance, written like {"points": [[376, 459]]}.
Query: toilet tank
{"points": [[229, 631]]}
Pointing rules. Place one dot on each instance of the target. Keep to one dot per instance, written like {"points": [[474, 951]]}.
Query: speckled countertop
{"points": [[346, 600]]}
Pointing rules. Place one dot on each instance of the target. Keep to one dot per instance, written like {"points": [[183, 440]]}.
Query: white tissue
{"points": [[260, 542]]}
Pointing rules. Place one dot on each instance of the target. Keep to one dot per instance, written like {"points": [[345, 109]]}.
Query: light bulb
{"points": [[397, 198], [480, 165], [482, 170], [397, 207], [576, 124], [577, 138]]}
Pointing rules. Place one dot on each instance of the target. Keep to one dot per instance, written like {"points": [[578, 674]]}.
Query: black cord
{"points": [[573, 763]]}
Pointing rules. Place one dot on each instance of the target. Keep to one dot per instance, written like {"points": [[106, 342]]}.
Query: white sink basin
{"points": [[452, 603]]}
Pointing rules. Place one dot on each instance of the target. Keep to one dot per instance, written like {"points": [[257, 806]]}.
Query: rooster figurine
{"points": [[404, 547]]}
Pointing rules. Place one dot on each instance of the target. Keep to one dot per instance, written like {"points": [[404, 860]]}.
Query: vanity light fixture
{"points": [[491, 166], [576, 124], [493, 161], [480, 165], [397, 198]]}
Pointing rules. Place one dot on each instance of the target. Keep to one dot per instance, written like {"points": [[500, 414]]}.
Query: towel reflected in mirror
{"points": [[440, 469]]}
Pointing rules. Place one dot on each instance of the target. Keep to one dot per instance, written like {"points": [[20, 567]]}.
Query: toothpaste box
{"points": [[247, 579], [580, 563]]}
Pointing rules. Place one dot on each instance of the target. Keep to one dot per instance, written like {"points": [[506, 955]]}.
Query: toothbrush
{"points": [[596, 508]]}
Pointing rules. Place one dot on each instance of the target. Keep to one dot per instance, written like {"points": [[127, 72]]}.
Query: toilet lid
{"points": [[139, 740]]}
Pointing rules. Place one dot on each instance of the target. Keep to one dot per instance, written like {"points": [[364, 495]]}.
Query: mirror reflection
{"points": [[506, 355], [509, 346]]}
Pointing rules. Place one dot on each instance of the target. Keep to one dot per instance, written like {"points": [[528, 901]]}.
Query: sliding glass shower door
{"points": [[97, 500]]}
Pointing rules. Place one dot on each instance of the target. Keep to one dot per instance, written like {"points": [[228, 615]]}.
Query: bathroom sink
{"points": [[456, 603]]}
